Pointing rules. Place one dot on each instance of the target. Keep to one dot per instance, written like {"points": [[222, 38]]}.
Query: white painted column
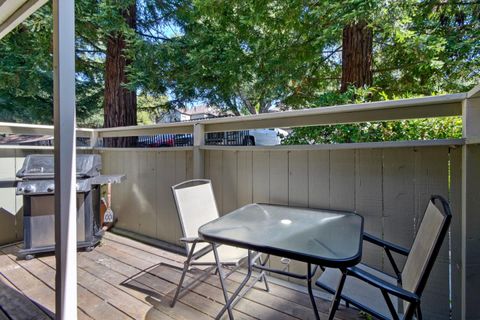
{"points": [[198, 154], [470, 238], [65, 163]]}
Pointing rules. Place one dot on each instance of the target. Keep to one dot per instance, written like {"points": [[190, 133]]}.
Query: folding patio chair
{"points": [[196, 206], [382, 295]]}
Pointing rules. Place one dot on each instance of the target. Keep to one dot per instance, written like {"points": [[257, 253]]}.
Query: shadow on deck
{"points": [[125, 279]]}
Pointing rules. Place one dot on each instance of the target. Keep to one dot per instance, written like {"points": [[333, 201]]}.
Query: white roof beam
{"points": [[14, 12]]}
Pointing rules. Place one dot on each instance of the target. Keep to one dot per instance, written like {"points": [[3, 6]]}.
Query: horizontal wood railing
{"points": [[34, 129], [428, 107]]}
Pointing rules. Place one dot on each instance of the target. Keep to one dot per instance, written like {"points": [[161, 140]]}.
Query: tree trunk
{"points": [[120, 104], [356, 56]]}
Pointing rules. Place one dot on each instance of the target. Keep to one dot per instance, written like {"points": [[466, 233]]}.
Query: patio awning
{"points": [[14, 12]]}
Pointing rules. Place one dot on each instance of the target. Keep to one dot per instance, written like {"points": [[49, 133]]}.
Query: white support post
{"points": [[470, 239], [198, 154], [65, 159]]}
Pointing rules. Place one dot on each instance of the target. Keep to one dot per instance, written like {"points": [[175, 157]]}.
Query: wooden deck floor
{"points": [[125, 279]]}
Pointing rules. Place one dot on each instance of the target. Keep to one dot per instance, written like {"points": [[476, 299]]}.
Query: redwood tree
{"points": [[356, 55], [120, 103]]}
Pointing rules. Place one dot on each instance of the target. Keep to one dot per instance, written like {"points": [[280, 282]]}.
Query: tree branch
{"points": [[152, 36], [461, 3], [88, 51]]}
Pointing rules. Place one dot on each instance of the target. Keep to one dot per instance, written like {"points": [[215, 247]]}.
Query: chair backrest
{"points": [[425, 248], [196, 206]]}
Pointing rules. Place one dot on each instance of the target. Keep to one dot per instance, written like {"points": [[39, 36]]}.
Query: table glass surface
{"points": [[310, 235]]}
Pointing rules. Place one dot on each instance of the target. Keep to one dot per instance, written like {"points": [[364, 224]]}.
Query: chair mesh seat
{"points": [[227, 254], [358, 290]]}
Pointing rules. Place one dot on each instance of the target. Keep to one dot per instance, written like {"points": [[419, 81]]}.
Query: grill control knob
{"points": [[51, 188], [29, 189]]}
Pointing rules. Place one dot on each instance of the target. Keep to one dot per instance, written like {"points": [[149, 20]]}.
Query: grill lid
{"points": [[41, 166]]}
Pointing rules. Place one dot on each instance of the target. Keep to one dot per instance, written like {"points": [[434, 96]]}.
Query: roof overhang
{"points": [[14, 12]]}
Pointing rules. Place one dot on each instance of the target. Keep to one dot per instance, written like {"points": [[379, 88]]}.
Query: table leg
{"points": [[263, 275], [310, 275], [229, 302], [338, 296]]}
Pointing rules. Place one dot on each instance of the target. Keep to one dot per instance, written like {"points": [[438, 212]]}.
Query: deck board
{"points": [[300, 298], [257, 302], [17, 306], [126, 279]]}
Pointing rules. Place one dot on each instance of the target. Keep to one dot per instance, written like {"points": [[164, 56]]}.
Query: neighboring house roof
{"points": [[201, 109], [199, 112], [193, 113]]}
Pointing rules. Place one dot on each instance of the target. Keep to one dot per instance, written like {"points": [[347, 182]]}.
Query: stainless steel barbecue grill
{"points": [[38, 188]]}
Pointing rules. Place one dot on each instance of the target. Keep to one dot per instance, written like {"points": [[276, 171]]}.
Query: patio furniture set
{"points": [[326, 239]]}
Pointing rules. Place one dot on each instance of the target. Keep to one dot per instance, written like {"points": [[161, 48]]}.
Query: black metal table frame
{"points": [[235, 297], [230, 302]]}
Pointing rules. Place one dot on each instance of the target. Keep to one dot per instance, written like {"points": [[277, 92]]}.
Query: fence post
{"points": [[93, 138], [198, 154], [470, 234]]}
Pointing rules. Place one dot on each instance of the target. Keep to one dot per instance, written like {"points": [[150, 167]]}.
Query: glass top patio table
{"points": [[323, 237]]}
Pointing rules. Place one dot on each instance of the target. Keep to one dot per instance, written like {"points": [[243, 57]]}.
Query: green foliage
{"points": [[26, 63], [25, 73], [149, 108], [433, 47], [248, 55], [26, 77], [245, 56], [416, 129]]}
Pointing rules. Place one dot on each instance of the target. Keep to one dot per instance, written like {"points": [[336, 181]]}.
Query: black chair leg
{"points": [[310, 291], [419, 313], [338, 296]]}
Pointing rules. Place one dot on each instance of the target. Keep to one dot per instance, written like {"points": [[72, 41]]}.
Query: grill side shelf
{"points": [[104, 179]]}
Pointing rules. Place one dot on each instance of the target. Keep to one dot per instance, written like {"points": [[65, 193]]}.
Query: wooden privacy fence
{"points": [[389, 183], [390, 187], [11, 207]]}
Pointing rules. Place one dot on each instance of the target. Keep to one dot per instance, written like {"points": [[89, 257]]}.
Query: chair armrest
{"points": [[191, 239], [385, 244], [383, 285]]}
